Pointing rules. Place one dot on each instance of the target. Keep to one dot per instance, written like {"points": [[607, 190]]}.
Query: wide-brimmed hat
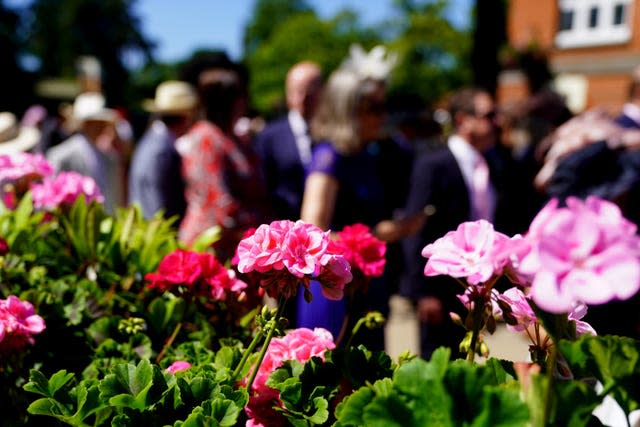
{"points": [[16, 138], [92, 106], [172, 97]]}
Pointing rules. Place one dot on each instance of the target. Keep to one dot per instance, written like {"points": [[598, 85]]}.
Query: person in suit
{"points": [[284, 146], [155, 179], [449, 185], [90, 151]]}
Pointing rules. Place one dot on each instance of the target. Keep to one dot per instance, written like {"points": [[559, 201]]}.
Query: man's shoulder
{"points": [[276, 126]]}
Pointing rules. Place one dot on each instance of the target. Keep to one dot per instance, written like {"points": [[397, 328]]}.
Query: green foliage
{"points": [[140, 394], [614, 361], [330, 40], [438, 393]]}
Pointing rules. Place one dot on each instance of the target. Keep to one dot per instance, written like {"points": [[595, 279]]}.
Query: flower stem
{"points": [[551, 367], [354, 331], [272, 326], [478, 308], [246, 354], [169, 342]]}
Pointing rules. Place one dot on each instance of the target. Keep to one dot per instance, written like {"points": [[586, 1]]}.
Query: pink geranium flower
{"points": [[475, 252], [200, 274], [361, 249], [583, 253], [18, 324], [288, 254], [178, 366], [299, 344], [64, 189], [17, 166]]}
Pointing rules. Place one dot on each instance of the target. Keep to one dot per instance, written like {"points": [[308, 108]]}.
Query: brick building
{"points": [[592, 47]]}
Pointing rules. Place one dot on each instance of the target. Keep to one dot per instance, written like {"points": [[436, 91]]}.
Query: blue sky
{"points": [[180, 26]]}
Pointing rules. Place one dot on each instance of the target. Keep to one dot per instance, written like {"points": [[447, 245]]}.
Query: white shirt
{"points": [[303, 140], [466, 156]]}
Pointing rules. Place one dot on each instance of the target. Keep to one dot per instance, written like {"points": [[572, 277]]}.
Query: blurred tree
{"points": [[267, 16], [15, 86], [325, 42], [63, 30], [433, 56]]}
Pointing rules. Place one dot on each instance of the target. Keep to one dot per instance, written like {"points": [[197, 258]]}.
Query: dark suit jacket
{"points": [[283, 169], [155, 177], [436, 180]]}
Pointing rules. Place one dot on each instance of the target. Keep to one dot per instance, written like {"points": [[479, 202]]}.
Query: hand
{"points": [[430, 310]]}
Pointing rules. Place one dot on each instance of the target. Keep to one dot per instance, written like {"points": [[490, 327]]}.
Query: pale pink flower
{"points": [[334, 277], [262, 251], [296, 249], [303, 248], [177, 366], [18, 324], [470, 252], [64, 189], [578, 312], [299, 344], [520, 309], [583, 253]]}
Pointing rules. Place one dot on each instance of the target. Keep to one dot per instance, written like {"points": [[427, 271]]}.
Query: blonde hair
{"points": [[335, 119]]}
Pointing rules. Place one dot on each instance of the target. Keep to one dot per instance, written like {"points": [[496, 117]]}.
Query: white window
{"points": [[593, 22]]}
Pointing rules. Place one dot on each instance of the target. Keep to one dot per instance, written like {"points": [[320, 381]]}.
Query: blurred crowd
{"points": [[345, 152]]}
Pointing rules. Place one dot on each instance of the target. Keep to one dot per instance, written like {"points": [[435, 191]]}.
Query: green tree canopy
{"points": [[63, 30], [302, 36]]}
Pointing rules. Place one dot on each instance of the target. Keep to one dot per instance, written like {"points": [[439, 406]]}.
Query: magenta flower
{"points": [[361, 249], [200, 274], [288, 254], [299, 344], [18, 324], [475, 251], [64, 189], [178, 366], [583, 253], [17, 166]]}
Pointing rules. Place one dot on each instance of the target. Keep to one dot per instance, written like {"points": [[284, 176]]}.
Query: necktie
{"points": [[481, 196]]}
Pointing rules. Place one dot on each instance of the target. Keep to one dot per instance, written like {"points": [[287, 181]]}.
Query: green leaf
{"points": [[501, 408], [391, 411], [613, 360], [39, 384], [128, 385], [205, 239], [350, 411], [321, 415]]}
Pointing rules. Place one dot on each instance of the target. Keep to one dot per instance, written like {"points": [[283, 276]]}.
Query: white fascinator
{"points": [[376, 64]]}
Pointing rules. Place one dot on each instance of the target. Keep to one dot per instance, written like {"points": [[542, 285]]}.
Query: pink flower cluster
{"points": [[364, 252], [178, 366], [586, 252], [18, 324], [289, 253], [199, 273], [474, 251], [17, 172], [299, 344], [525, 317], [17, 166], [64, 189]]}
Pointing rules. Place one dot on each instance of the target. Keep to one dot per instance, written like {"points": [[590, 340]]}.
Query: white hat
{"points": [[92, 106], [14, 138], [172, 97]]}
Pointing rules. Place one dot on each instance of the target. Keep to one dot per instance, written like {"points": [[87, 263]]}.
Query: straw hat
{"points": [[15, 138], [92, 106], [172, 97]]}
